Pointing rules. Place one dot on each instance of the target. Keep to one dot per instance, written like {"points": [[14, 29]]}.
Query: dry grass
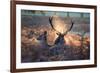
{"points": [[33, 50]]}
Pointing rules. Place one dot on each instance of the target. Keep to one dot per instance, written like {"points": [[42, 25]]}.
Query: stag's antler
{"points": [[70, 27], [50, 20], [51, 23], [61, 26]]}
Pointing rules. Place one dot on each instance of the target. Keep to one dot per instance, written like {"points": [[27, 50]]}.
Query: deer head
{"points": [[60, 27]]}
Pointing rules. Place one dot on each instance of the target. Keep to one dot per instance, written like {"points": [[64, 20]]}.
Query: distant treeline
{"points": [[60, 13]]}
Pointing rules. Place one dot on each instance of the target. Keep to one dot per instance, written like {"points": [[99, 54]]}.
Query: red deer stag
{"points": [[60, 27]]}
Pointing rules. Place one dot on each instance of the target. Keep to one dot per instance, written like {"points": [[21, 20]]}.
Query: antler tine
{"points": [[50, 20], [70, 27]]}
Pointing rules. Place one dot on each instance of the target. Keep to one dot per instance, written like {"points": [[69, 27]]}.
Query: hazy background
{"points": [[41, 18]]}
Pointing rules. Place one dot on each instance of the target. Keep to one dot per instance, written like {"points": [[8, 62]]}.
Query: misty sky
{"points": [[41, 19]]}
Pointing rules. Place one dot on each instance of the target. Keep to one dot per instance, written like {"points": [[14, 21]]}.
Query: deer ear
{"points": [[57, 33]]}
